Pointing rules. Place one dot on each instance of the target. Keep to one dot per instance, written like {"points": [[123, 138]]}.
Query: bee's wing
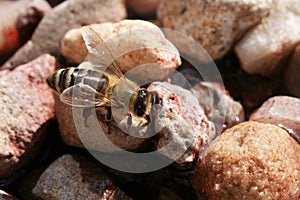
{"points": [[82, 95], [99, 54]]}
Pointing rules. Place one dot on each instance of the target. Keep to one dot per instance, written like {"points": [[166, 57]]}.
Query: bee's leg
{"points": [[129, 119], [86, 114], [108, 116]]}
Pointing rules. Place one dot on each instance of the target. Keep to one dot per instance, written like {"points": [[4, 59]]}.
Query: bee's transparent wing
{"points": [[82, 95], [99, 54]]}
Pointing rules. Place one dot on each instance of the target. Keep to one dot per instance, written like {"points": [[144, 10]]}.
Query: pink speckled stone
{"points": [[280, 110], [27, 107]]}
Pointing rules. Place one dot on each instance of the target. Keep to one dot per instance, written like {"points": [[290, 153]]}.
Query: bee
{"points": [[102, 84]]}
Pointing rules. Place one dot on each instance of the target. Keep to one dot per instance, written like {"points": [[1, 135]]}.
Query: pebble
{"points": [[282, 111], [249, 161], [218, 105], [154, 56], [65, 16], [215, 25], [18, 20], [76, 177], [264, 49], [181, 124], [292, 73], [27, 107]]}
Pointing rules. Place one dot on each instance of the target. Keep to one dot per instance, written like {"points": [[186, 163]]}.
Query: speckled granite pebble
{"points": [[216, 25], [76, 177], [249, 161]]}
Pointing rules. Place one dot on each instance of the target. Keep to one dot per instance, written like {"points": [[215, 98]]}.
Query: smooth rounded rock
{"points": [[264, 50], [137, 46]]}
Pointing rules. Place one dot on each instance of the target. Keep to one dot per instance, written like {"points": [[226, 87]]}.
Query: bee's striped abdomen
{"points": [[67, 77]]}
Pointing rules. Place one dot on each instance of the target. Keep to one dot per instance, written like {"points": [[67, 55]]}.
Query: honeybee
{"points": [[102, 84]]}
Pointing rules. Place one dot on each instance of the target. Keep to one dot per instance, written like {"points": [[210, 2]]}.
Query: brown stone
{"points": [[249, 161]]}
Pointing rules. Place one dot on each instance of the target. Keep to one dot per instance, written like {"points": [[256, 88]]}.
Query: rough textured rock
{"points": [[67, 15], [180, 122], [18, 20], [27, 107], [250, 161], [218, 105], [292, 73], [216, 25], [133, 43], [5, 196], [264, 49], [282, 111], [76, 177], [146, 8]]}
